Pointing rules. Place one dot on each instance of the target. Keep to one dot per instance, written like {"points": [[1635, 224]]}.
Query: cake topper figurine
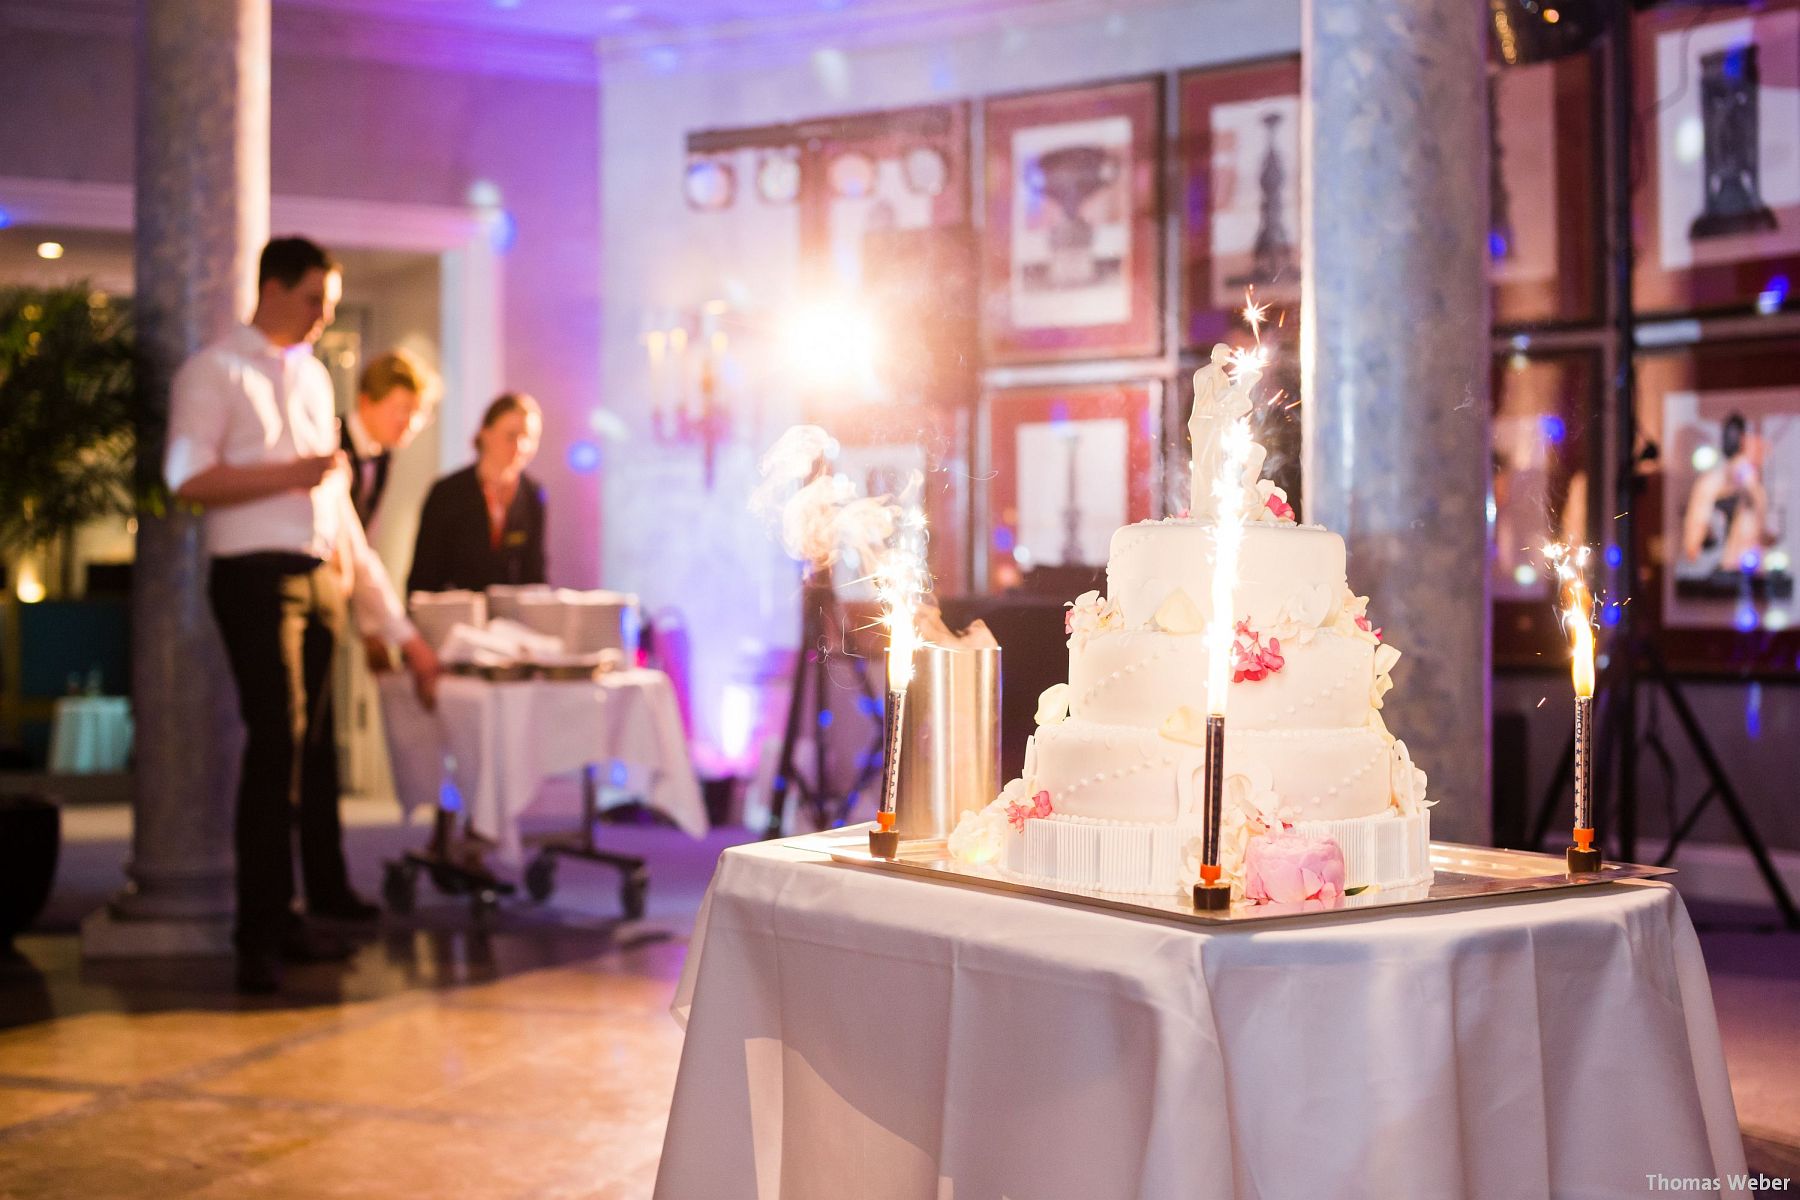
{"points": [[1577, 605], [1227, 463]]}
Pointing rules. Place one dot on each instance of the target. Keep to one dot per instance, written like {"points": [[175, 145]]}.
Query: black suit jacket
{"points": [[365, 499], [454, 551]]}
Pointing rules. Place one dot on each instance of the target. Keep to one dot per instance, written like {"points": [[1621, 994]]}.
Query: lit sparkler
{"points": [[1245, 367], [901, 583], [1576, 603]]}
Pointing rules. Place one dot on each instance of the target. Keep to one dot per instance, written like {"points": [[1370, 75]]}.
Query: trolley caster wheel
{"points": [[632, 891], [399, 887], [540, 877]]}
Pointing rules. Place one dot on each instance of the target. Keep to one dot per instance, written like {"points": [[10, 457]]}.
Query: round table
{"points": [[855, 1033], [90, 735]]}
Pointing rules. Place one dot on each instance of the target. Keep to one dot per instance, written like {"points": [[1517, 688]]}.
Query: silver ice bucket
{"points": [[950, 744]]}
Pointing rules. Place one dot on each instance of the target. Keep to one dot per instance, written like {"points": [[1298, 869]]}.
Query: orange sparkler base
{"points": [[884, 839], [1211, 894], [1582, 857]]}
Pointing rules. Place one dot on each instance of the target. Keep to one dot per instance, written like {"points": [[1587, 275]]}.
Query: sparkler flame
{"points": [[1230, 510], [1576, 602]]}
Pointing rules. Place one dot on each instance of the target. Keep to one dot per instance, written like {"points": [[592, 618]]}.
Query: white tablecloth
{"points": [[505, 739], [90, 734], [852, 1034]]}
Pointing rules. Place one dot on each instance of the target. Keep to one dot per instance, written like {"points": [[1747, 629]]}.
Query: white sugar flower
{"points": [[1407, 782], [1053, 705], [1385, 658]]}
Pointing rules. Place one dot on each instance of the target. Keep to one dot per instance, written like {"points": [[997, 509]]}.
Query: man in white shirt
{"points": [[253, 439]]}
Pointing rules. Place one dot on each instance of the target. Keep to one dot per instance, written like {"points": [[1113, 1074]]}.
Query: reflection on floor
{"points": [[533, 1058]]}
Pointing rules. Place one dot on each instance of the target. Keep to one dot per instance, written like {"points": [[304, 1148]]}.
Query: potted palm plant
{"points": [[67, 403], [67, 407]]}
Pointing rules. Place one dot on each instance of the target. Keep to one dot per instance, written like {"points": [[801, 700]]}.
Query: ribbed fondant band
{"points": [[1120, 856]]}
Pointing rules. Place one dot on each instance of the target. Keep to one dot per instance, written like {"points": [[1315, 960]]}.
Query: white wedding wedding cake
{"points": [[1111, 793]]}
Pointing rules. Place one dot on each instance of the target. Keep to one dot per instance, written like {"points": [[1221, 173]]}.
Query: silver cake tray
{"points": [[1465, 873]]}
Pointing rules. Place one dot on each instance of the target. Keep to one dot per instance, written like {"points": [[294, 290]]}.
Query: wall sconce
{"points": [[687, 350]]}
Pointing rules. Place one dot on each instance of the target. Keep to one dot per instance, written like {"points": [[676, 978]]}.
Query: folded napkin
{"points": [[500, 643]]}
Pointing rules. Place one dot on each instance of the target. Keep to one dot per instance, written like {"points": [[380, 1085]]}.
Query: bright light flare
{"points": [[1228, 490], [832, 345]]}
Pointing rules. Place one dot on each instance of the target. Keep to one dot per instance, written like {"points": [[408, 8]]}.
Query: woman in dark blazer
{"points": [[484, 524]]}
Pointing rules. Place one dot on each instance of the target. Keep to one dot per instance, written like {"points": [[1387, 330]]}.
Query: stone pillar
{"points": [[1395, 352], [202, 205]]}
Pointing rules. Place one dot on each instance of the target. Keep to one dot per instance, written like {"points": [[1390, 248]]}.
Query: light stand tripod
{"points": [[821, 627], [1633, 654]]}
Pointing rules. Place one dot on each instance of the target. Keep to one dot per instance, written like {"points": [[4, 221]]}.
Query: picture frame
{"points": [[1547, 194], [1717, 203], [1718, 536], [1241, 203], [1547, 447], [1065, 467], [1072, 263]]}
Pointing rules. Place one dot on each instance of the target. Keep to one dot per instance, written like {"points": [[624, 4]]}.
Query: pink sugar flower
{"points": [[1019, 812], [1363, 624], [1290, 869], [1281, 508]]}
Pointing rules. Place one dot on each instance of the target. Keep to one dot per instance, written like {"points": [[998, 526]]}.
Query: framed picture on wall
{"points": [[1546, 193], [1546, 415], [1072, 265], [1241, 201], [1717, 206], [1066, 466], [1719, 513]]}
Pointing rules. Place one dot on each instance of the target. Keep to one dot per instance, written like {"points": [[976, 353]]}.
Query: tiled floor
{"points": [[531, 1058]]}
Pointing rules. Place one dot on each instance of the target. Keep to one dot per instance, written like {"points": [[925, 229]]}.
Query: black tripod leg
{"points": [[790, 737], [1722, 785], [1560, 780]]}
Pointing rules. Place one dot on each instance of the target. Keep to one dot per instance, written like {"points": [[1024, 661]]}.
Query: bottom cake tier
{"points": [[1387, 850]]}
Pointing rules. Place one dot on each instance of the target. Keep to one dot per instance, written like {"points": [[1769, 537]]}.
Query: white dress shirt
{"points": [[244, 401]]}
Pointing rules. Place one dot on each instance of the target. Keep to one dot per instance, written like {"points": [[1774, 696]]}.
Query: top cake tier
{"points": [[1277, 564]]}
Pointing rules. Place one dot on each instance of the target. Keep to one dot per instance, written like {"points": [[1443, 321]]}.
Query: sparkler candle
{"points": [[1226, 454], [899, 583], [1578, 616]]}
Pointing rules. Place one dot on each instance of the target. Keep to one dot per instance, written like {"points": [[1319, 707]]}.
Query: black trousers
{"points": [[281, 616]]}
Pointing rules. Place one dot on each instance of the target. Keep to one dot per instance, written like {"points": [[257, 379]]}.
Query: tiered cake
{"points": [[1111, 793]]}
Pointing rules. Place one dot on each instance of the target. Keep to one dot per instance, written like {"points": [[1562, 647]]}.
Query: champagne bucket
{"points": [[950, 745]]}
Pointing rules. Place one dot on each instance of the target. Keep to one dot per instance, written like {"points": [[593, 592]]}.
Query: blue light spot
{"points": [[1734, 63], [5, 218], [1745, 619], [1753, 711], [584, 457], [1497, 244], [1059, 413], [1553, 428], [1614, 556], [449, 799], [1004, 539], [825, 718], [869, 706], [1612, 614], [1750, 562], [1777, 287], [504, 231], [618, 774]]}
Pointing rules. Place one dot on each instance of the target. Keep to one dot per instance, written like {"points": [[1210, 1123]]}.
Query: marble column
{"points": [[1395, 353], [202, 204]]}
